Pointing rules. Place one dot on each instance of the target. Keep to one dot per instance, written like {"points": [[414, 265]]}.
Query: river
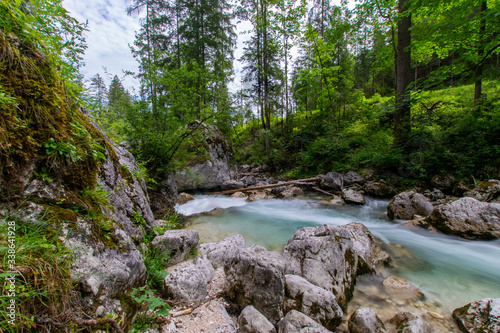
{"points": [[450, 271]]}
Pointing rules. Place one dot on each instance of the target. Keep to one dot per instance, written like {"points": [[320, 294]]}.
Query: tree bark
{"points": [[402, 114]]}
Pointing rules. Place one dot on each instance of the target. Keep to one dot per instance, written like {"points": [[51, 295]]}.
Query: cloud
{"points": [[111, 31]]}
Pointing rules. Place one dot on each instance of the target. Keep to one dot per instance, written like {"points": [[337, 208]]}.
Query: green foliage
{"points": [[96, 200], [146, 300]]}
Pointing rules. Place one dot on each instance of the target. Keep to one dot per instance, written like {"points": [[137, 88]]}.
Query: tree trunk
{"points": [[480, 53], [402, 114]]}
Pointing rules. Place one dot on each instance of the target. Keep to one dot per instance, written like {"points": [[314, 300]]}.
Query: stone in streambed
{"points": [[408, 322], [291, 193], [351, 196], [238, 195], [365, 320], [400, 288], [183, 198], [481, 316], [408, 204]]}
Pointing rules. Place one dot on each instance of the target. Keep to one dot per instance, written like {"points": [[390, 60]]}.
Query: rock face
{"points": [[488, 190], [221, 252], [328, 257], [365, 320], [214, 171], [407, 322], [177, 244], [297, 322], [352, 196], [189, 280], [256, 277], [480, 316], [468, 218], [408, 204], [252, 321], [313, 301], [164, 197], [379, 189]]}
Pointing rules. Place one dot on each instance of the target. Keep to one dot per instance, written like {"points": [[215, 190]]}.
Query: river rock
{"points": [[313, 301], [408, 322], [371, 257], [352, 178], [219, 253], [252, 321], [250, 181], [444, 182], [291, 193], [365, 320], [334, 201], [183, 198], [211, 172], [189, 280], [434, 195], [408, 204], [297, 322], [328, 257], [177, 243], [379, 189], [260, 195], [238, 195], [479, 316], [400, 288], [468, 218], [488, 190], [256, 277], [232, 185], [331, 181], [351, 196]]}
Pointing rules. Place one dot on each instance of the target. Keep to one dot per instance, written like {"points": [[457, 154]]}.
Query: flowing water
{"points": [[451, 272]]}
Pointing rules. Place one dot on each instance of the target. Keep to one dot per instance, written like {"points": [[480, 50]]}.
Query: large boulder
{"points": [[177, 244], [189, 280], [331, 181], [221, 252], [488, 190], [365, 320], [352, 178], [408, 322], [468, 218], [352, 196], [297, 322], [444, 182], [481, 316], [256, 277], [379, 189], [313, 301], [408, 204], [210, 169], [252, 321], [329, 256]]}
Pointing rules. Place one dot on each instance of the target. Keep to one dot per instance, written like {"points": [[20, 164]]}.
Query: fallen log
{"points": [[262, 187], [322, 191]]}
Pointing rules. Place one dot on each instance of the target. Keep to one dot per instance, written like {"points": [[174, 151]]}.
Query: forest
{"points": [[408, 86]]}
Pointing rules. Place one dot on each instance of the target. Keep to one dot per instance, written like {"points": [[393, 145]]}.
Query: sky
{"points": [[111, 31]]}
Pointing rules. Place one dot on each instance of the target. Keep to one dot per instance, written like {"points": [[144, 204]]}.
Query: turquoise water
{"points": [[447, 269]]}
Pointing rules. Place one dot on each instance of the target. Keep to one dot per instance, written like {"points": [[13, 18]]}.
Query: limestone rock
{"points": [[177, 243], [313, 301], [291, 193], [184, 197], [219, 253], [481, 316], [444, 182], [259, 195], [334, 201], [408, 322], [331, 181], [214, 171], [232, 185], [400, 288], [379, 189], [250, 181], [238, 195], [297, 322], [256, 277], [468, 218], [163, 197], [488, 190], [252, 321], [365, 320], [352, 196], [189, 280], [352, 178], [328, 257], [408, 204]]}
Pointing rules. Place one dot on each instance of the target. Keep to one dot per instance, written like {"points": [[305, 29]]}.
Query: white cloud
{"points": [[111, 31]]}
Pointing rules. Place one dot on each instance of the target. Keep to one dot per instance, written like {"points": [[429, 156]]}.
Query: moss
{"points": [[58, 214]]}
